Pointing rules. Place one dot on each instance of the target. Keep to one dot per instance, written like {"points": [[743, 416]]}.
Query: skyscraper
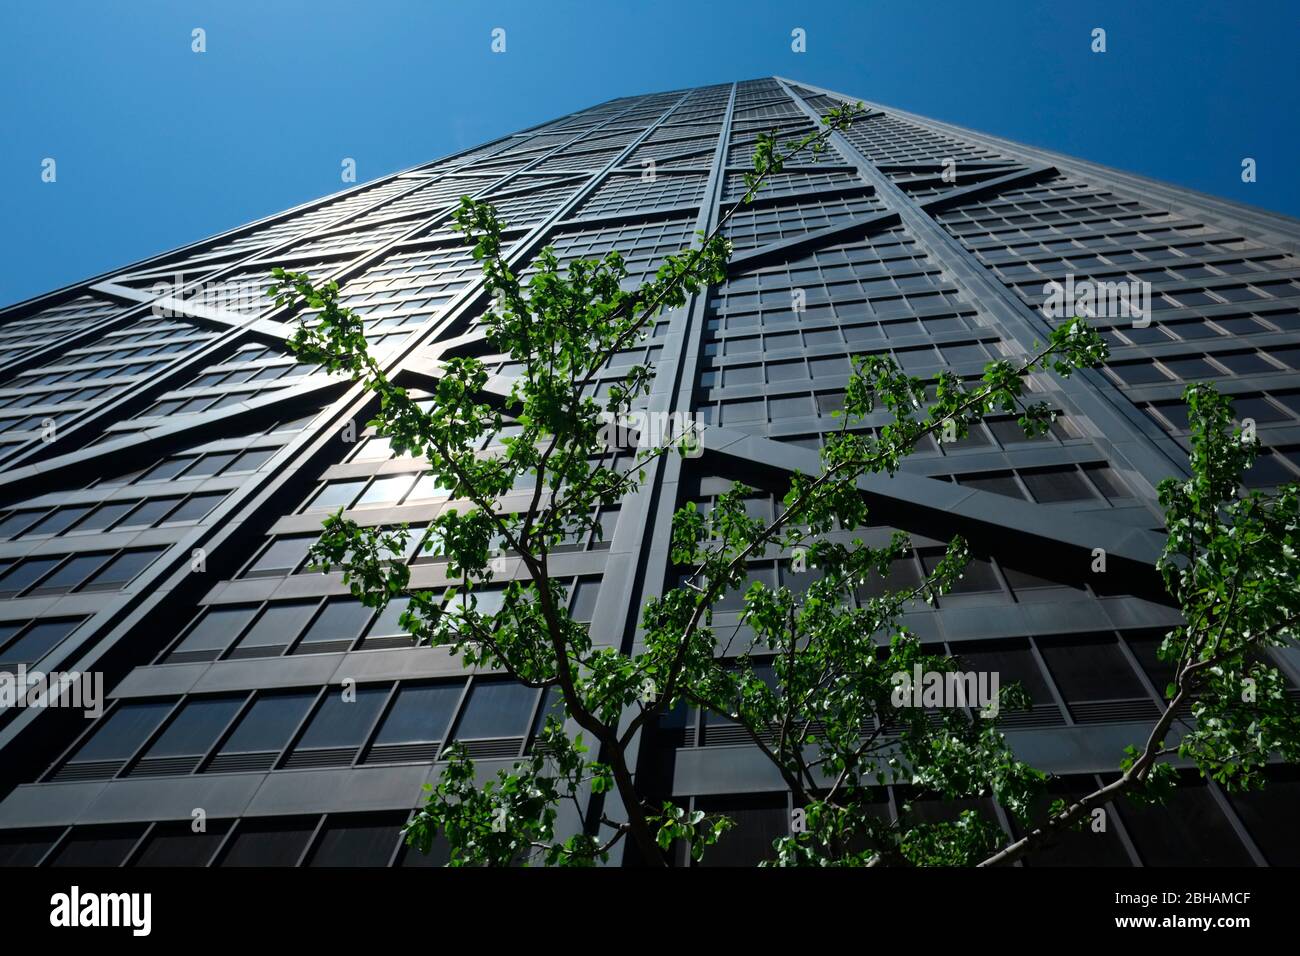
{"points": [[165, 464]]}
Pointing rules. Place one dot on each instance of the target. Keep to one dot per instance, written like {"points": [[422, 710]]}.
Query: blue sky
{"points": [[157, 146]]}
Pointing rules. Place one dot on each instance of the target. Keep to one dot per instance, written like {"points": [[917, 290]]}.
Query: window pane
{"points": [[336, 493], [195, 508], [344, 722], [98, 846], [149, 513], [274, 842], [15, 523], [40, 639], [1062, 485], [123, 731], [73, 572], [1090, 668], [386, 491], [420, 714], [176, 844], [278, 625], [25, 573], [1013, 663], [123, 569], [62, 518], [358, 841], [106, 515], [758, 820], [196, 727], [342, 619], [217, 628], [497, 709], [1188, 830], [283, 555], [26, 847], [269, 722]]}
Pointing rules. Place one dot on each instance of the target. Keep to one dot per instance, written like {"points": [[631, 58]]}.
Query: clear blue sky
{"points": [[157, 146]]}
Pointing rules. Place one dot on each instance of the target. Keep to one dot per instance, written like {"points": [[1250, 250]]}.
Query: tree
{"points": [[816, 685]]}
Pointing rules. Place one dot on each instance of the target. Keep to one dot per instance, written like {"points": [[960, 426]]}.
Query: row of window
{"points": [[134, 514], [1195, 328], [191, 465], [1071, 679], [1262, 408], [26, 642], [45, 575], [1198, 826], [332, 726], [33, 398], [316, 626], [1189, 368], [370, 839], [797, 370], [1050, 485]]}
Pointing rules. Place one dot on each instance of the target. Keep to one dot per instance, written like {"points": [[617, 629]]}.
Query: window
{"points": [[26, 847], [97, 846], [211, 464], [195, 508], [1188, 830], [336, 627], [497, 709], [213, 633], [61, 519], [1105, 478], [73, 572], [1001, 483], [273, 842], [195, 729], [1137, 373], [282, 555], [758, 820], [38, 640], [274, 630], [1090, 668], [16, 522], [1009, 432], [358, 840], [1145, 648], [122, 732], [977, 577], [344, 718], [176, 844], [420, 714], [106, 516], [1268, 814], [1075, 847], [149, 513], [336, 494], [1050, 485], [25, 573], [167, 469], [387, 631], [267, 725], [121, 570], [585, 591], [251, 461]]}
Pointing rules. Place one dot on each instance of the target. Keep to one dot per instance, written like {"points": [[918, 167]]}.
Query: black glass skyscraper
{"points": [[165, 464]]}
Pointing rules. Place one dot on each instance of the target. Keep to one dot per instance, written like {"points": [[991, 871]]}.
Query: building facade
{"points": [[165, 464]]}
